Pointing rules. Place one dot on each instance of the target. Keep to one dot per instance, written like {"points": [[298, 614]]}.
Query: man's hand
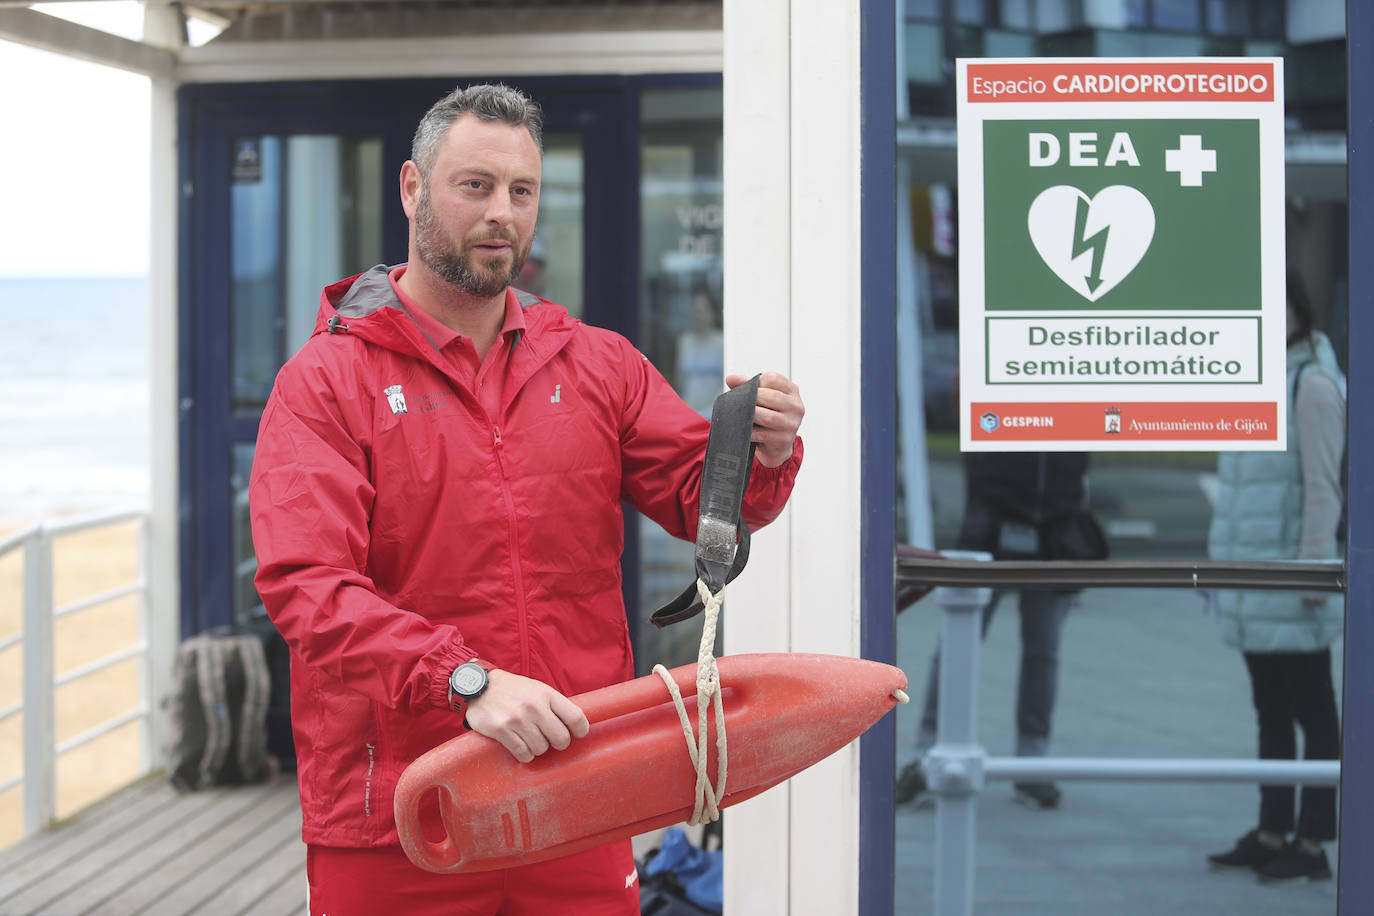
{"points": [[777, 417], [527, 716]]}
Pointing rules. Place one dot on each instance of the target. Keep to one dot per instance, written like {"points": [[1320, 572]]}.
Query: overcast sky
{"points": [[74, 183]]}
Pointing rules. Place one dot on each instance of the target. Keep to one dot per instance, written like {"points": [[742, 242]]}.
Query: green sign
{"points": [[1121, 214], [1121, 254]]}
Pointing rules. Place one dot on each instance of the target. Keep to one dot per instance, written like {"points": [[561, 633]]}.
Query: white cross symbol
{"points": [[1190, 160]]}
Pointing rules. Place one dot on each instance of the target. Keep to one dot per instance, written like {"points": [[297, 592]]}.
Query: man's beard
{"points": [[457, 269]]}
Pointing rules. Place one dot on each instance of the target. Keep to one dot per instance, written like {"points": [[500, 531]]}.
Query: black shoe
{"points": [[1293, 863], [911, 785], [1043, 795], [1249, 852]]}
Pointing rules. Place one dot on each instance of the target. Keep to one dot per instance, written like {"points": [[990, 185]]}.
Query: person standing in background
{"points": [[700, 354], [1019, 506], [1287, 506]]}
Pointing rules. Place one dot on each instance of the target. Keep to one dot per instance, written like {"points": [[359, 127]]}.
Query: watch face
{"points": [[468, 679]]}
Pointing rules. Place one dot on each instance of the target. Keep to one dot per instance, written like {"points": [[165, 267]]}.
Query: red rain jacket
{"points": [[400, 530]]}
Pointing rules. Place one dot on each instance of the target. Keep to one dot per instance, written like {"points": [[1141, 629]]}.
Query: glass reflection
{"points": [[1141, 673], [680, 309], [305, 211]]}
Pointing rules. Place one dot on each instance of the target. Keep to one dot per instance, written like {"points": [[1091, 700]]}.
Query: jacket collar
{"points": [[366, 306]]}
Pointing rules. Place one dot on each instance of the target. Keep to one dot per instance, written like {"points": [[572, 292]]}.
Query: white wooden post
{"points": [[165, 26], [792, 303]]}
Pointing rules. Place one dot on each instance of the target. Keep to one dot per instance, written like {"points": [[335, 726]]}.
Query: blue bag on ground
{"points": [[700, 873]]}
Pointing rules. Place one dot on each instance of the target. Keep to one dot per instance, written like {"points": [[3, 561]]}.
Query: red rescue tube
{"points": [[631, 773]]}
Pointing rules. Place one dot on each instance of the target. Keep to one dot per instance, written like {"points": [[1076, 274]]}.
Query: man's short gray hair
{"points": [[489, 102]]}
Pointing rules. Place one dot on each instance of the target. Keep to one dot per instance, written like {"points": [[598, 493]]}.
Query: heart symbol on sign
{"points": [[1091, 243]]}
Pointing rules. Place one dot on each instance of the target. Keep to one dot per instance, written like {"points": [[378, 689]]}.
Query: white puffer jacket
{"points": [[1259, 517]]}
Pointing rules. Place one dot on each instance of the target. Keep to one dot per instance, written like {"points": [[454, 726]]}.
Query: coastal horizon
{"points": [[74, 421]]}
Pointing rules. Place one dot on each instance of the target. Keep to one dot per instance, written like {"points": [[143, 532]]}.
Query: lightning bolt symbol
{"points": [[1096, 243]]}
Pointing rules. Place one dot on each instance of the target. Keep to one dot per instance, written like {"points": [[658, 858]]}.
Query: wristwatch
{"points": [[467, 682]]}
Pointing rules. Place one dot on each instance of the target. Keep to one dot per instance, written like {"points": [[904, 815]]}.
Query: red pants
{"points": [[383, 882]]}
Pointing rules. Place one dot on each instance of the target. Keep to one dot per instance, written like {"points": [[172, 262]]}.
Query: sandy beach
{"points": [[84, 565]]}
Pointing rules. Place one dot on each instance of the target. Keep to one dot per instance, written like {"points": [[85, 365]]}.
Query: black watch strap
{"points": [[458, 702]]}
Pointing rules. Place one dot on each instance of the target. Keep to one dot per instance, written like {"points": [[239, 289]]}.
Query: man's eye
{"points": [[474, 183]]}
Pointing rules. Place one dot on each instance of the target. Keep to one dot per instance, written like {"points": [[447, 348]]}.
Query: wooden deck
{"points": [[149, 849]]}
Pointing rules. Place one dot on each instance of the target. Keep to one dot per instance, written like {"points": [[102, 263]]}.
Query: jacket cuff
{"points": [[445, 661], [783, 473]]}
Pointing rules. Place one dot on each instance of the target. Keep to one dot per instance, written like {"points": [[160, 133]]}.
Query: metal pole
{"points": [[145, 626], [954, 766], [1268, 772], [1355, 877], [39, 735]]}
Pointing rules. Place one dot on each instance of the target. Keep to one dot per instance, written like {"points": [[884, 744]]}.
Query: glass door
{"points": [[304, 210], [680, 310]]}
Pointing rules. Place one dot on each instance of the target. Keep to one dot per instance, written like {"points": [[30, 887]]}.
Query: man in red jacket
{"points": [[436, 512]]}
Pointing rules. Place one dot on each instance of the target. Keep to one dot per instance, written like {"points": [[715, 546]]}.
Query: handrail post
{"points": [[40, 738], [954, 766], [145, 627]]}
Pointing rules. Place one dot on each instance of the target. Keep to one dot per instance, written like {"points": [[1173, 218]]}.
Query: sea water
{"points": [[74, 396]]}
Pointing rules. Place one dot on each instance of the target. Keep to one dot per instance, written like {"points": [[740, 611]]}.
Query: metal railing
{"points": [[38, 700], [958, 766]]}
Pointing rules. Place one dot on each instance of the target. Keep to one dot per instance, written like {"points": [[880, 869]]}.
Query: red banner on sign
{"points": [[1199, 80]]}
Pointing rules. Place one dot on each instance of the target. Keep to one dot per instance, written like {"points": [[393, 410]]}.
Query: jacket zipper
{"points": [[498, 445]]}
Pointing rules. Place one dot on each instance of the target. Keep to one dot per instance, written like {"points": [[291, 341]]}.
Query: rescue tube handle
{"points": [[415, 782], [433, 770]]}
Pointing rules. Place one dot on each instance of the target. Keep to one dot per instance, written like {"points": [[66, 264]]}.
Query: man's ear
{"points": [[411, 182]]}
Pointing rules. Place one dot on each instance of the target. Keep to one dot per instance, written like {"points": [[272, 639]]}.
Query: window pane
{"points": [[554, 268], [1178, 15], [1016, 14], [923, 9], [1112, 702], [1152, 505], [997, 43], [1269, 20], [1228, 17], [305, 211], [969, 11], [255, 266], [247, 605], [925, 53], [682, 218]]}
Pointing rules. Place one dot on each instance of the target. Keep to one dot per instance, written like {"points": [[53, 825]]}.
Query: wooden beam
{"points": [[680, 51], [49, 33]]}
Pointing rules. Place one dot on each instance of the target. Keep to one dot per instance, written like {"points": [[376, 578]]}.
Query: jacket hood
{"points": [[1316, 348]]}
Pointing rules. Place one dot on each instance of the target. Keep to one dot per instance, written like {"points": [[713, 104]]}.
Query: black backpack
{"points": [[217, 712]]}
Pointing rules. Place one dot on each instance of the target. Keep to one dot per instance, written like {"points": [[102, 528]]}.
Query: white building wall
{"points": [[792, 246]]}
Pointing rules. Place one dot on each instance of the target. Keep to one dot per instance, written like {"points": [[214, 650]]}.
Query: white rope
{"points": [[707, 805]]}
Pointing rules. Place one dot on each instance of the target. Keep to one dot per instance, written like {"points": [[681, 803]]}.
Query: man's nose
{"points": [[499, 210]]}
